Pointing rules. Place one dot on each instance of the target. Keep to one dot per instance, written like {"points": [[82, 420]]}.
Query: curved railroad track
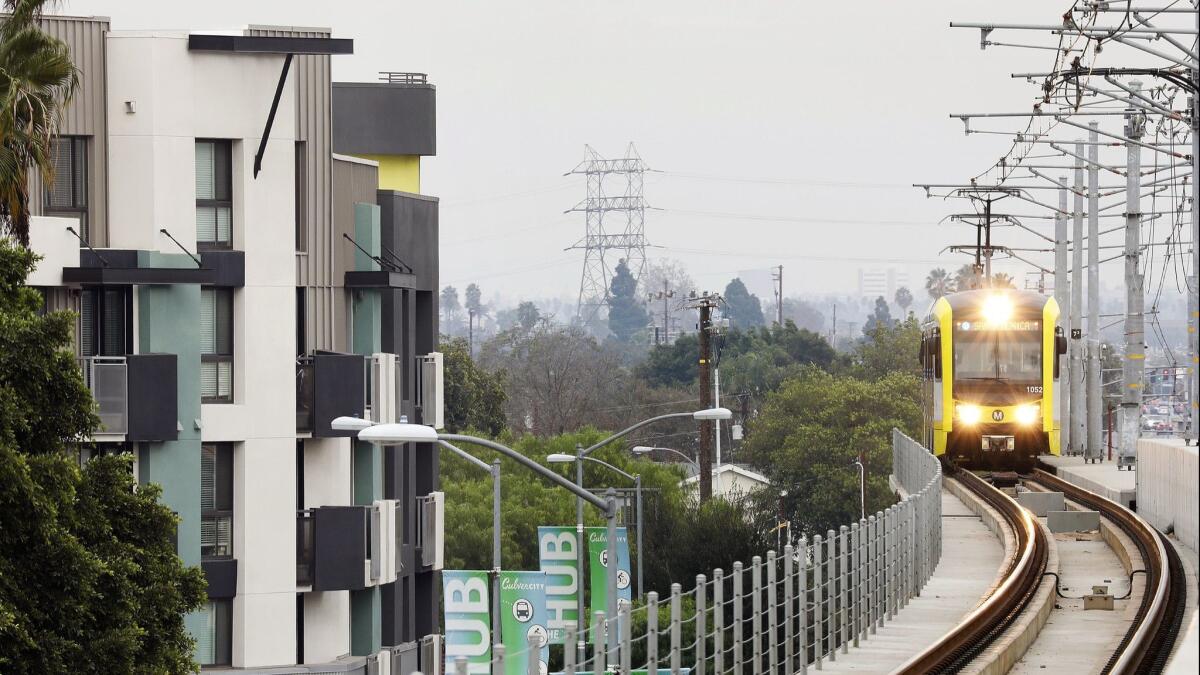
{"points": [[1148, 642], [988, 621]]}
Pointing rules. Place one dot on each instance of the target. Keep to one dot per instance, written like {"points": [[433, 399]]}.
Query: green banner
{"points": [[467, 619], [523, 618], [558, 557], [598, 569]]}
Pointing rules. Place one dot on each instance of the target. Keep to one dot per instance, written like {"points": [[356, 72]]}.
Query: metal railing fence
{"points": [[788, 612]]}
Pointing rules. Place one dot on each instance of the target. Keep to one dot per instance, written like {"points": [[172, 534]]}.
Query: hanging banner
{"points": [[558, 557], [522, 618], [598, 570], [467, 620]]}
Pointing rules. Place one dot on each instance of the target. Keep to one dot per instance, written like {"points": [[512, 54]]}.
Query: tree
{"points": [[626, 314], [803, 314], [450, 305], [528, 315], [965, 278], [474, 397], [677, 281], [812, 428], [1003, 280], [37, 80], [904, 298], [474, 300], [938, 283], [741, 306], [882, 317], [118, 593], [888, 349]]}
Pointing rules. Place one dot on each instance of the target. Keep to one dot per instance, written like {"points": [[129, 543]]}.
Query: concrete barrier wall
{"points": [[1166, 487]]}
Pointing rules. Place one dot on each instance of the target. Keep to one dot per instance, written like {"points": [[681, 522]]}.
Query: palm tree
{"points": [[37, 80], [964, 278], [938, 283], [1003, 280], [904, 298]]}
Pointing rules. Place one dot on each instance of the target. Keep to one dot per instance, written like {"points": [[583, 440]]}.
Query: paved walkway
{"points": [[1186, 657], [1102, 478], [971, 559]]}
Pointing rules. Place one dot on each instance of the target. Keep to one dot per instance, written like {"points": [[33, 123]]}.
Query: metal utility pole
{"points": [[1062, 294], [612, 223], [1078, 422], [471, 332], [1193, 282], [705, 304], [665, 295], [777, 277], [1095, 400], [1133, 364], [833, 341]]}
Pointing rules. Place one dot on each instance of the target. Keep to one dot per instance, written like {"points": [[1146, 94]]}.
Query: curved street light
{"points": [[646, 449]]}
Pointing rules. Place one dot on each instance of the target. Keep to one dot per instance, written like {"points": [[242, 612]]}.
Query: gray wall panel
{"points": [[367, 115]]}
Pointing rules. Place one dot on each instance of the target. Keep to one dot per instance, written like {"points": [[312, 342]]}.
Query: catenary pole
{"points": [[1193, 283], [1062, 294], [1095, 401], [706, 446], [1133, 363], [1078, 422]]}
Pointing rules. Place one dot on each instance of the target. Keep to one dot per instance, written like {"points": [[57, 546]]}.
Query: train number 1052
{"points": [[1034, 389]]}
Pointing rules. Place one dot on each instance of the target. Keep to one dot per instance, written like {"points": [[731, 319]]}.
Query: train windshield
{"points": [[998, 355]]}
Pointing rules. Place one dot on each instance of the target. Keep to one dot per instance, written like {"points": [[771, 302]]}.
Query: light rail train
{"points": [[991, 361]]}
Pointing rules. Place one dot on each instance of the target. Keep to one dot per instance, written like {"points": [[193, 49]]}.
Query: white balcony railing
{"points": [[108, 379]]}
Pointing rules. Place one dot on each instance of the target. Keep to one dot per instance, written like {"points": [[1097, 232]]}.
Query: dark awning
{"points": [[269, 44], [380, 279], [124, 276]]}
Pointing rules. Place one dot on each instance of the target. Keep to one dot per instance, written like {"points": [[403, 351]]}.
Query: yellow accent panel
{"points": [[398, 172], [1050, 315], [945, 318]]}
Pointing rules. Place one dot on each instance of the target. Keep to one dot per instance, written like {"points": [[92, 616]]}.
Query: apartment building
{"points": [[246, 247]]}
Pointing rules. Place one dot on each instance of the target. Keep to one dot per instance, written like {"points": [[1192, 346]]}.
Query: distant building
{"points": [[730, 480], [876, 282]]}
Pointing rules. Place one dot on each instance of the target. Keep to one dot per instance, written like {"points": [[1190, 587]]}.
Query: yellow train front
{"points": [[991, 363]]}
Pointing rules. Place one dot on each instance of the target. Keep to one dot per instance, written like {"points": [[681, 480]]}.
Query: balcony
{"points": [[136, 395], [329, 385], [342, 548]]}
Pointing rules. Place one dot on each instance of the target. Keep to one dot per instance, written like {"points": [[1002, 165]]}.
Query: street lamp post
{"points": [[494, 470], [395, 434], [637, 486], [862, 489], [645, 449], [581, 452]]}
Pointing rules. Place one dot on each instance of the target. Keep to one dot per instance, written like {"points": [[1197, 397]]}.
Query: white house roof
{"points": [[732, 468]]}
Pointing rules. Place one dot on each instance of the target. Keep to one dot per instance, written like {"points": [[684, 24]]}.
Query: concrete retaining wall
{"points": [[1166, 487]]}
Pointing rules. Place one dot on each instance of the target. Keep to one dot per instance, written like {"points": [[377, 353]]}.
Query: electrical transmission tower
{"points": [[615, 214]]}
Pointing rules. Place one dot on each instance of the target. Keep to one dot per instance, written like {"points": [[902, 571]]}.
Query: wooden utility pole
{"points": [[705, 304]]}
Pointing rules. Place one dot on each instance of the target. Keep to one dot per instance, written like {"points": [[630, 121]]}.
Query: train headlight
{"points": [[969, 414], [997, 310], [1027, 414]]}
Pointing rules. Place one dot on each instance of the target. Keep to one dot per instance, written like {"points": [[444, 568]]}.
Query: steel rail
{"points": [[1148, 642], [981, 627]]}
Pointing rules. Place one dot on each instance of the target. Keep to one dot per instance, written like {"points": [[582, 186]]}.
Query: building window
{"points": [[216, 500], [105, 322], [214, 641], [68, 195], [214, 194], [301, 198], [216, 345]]}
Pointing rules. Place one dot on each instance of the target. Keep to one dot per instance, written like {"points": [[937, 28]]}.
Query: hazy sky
{"points": [[786, 132]]}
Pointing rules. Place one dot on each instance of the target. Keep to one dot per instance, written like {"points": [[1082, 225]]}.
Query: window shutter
{"points": [[208, 477], [205, 173], [208, 321], [87, 324], [61, 192]]}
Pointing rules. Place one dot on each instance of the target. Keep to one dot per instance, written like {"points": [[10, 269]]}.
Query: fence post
{"points": [[718, 622], [872, 568], [701, 626], [460, 665], [802, 593], [569, 651], [789, 633], [831, 593], [737, 617], [651, 632], [772, 614], [498, 660], [534, 660], [676, 627], [600, 650], [818, 548], [856, 588], [625, 625], [844, 576], [756, 607]]}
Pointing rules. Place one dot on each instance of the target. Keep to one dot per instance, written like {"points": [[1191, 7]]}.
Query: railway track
{"points": [[989, 621], [1148, 642]]}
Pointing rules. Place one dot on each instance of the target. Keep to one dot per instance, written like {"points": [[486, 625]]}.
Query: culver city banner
{"points": [[558, 556], [598, 569], [523, 619], [467, 619]]}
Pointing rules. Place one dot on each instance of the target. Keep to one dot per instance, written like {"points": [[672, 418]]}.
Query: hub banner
{"points": [[558, 557], [523, 618], [467, 619], [598, 568]]}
